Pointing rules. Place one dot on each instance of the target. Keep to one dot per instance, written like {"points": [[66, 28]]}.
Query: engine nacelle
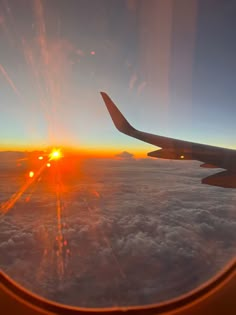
{"points": [[171, 154]]}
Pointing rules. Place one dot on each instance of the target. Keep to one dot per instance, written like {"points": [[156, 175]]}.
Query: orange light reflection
{"points": [[6, 206]]}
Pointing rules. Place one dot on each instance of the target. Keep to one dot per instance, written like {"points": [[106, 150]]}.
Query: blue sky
{"points": [[169, 66]]}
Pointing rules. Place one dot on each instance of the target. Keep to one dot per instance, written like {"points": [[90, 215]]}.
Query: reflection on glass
{"points": [[86, 218]]}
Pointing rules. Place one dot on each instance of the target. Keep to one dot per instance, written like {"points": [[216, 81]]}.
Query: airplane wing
{"points": [[210, 156]]}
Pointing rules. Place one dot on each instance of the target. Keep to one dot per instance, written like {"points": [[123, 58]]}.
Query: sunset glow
{"points": [[55, 154]]}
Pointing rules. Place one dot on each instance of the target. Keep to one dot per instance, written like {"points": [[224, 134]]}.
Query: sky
{"points": [[169, 65]]}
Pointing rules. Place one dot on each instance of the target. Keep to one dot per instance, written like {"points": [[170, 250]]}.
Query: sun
{"points": [[55, 154]]}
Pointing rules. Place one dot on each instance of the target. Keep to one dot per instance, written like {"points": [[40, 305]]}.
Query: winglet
{"points": [[118, 119]]}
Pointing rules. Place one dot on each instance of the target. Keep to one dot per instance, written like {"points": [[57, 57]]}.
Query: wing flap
{"points": [[225, 179]]}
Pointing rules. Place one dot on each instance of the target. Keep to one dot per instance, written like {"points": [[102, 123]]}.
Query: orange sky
{"points": [[86, 152]]}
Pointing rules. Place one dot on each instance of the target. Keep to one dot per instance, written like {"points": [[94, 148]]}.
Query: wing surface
{"points": [[211, 156]]}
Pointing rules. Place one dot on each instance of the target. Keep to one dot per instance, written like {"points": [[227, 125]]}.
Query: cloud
{"points": [[151, 227], [125, 155]]}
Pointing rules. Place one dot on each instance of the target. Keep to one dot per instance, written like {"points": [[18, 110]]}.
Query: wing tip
{"points": [[117, 117], [103, 93]]}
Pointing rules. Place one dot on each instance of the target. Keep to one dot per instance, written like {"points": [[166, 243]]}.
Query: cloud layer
{"points": [[118, 233]]}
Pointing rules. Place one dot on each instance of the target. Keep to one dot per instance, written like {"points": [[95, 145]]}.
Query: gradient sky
{"points": [[168, 64]]}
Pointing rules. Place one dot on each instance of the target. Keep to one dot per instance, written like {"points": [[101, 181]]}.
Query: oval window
{"points": [[86, 217]]}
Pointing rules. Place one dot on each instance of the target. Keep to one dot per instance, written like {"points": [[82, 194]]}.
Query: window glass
{"points": [[86, 218]]}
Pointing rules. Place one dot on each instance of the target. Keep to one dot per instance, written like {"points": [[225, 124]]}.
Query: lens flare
{"points": [[31, 174]]}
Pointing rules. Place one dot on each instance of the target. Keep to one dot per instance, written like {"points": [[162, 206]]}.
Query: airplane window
{"points": [[86, 217]]}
